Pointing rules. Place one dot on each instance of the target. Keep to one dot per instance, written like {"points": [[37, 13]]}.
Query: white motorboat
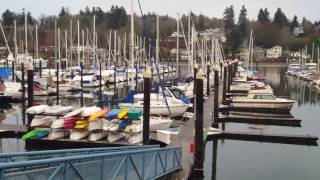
{"points": [[262, 100]]}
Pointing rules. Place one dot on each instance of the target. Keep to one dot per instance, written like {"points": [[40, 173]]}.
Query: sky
{"points": [[211, 8]]}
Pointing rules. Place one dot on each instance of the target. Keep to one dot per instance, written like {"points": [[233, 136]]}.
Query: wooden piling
{"points": [[216, 98], [208, 79], [30, 89], [136, 76], [100, 81], [40, 69], [195, 71], [224, 89], [81, 83], [198, 139], [23, 94], [57, 83], [146, 106], [12, 70]]}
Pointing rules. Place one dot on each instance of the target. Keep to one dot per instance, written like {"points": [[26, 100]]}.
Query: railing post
{"points": [[199, 153], [30, 89], [146, 106]]}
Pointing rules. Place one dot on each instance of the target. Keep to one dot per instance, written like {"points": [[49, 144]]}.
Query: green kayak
{"points": [[29, 134], [134, 113]]}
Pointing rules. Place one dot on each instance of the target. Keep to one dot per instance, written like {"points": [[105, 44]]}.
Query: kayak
{"points": [[113, 125], [81, 124], [73, 113], [56, 110], [123, 124], [37, 109], [112, 137], [96, 136], [57, 134], [87, 111], [95, 125], [70, 122], [39, 121], [57, 124], [29, 135], [98, 114], [41, 134], [134, 113], [113, 113], [123, 113], [77, 134]]}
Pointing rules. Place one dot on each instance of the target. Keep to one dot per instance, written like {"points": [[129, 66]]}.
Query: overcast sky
{"points": [[213, 8]]}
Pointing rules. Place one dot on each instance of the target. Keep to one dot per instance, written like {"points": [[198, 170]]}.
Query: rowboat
{"points": [[77, 134], [37, 109], [58, 123], [97, 135], [39, 121], [58, 134], [70, 122], [112, 137], [95, 125], [56, 110]]}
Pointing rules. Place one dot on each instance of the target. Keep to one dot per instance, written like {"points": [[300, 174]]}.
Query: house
{"points": [[297, 31], [295, 54], [274, 52]]}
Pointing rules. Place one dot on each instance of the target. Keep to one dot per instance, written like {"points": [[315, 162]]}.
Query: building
{"points": [[295, 54], [297, 31], [274, 52], [210, 33]]}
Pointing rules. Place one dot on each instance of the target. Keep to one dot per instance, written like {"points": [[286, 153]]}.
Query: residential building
{"points": [[274, 52]]}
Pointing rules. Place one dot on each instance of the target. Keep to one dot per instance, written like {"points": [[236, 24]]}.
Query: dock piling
{"points": [[146, 106], [40, 69], [216, 98], [57, 82], [30, 89], [198, 139], [224, 88], [23, 95], [208, 79], [81, 83], [12, 69]]}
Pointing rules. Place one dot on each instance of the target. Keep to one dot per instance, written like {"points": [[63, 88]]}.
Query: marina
{"points": [[116, 104]]}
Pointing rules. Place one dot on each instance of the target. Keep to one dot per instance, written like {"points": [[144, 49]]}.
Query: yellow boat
{"points": [[98, 114], [81, 124], [123, 113]]}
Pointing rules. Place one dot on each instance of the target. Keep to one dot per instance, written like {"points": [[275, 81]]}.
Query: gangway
{"points": [[36, 155], [140, 164]]}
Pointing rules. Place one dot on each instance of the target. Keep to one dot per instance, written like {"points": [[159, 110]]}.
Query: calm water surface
{"points": [[234, 160]]}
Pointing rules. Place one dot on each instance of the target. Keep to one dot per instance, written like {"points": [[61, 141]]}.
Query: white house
{"points": [[297, 31], [295, 54], [274, 52]]}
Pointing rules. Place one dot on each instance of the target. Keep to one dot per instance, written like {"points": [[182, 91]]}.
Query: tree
{"points": [[116, 17], [8, 17], [294, 23], [243, 23], [263, 16], [232, 32], [280, 18], [201, 23]]}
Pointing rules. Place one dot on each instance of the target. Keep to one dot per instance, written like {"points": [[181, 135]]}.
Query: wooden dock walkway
{"points": [[186, 137]]}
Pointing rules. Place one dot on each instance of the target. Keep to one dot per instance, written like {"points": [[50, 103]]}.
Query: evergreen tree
{"points": [[232, 32], [294, 23], [201, 23], [243, 22], [266, 15], [8, 17], [263, 16], [280, 18]]}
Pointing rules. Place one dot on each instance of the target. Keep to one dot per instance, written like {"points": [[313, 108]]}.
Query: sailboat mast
{"points": [[26, 31], [66, 46], [71, 44], [15, 41], [177, 52], [312, 53], [94, 40], [37, 43], [132, 40], [157, 40], [78, 48]]}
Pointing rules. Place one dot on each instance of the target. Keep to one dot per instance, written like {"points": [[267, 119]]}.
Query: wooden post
{"points": [[100, 81], [30, 89], [40, 69], [12, 70], [195, 71], [198, 139], [216, 98], [57, 82], [208, 79], [146, 106], [81, 83], [229, 77], [23, 94], [224, 89]]}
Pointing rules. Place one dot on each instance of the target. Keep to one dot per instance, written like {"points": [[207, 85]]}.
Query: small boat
{"points": [[134, 113], [29, 135], [159, 123], [122, 114], [73, 113], [112, 137], [96, 136], [56, 110], [58, 134], [70, 122], [255, 101], [137, 138], [56, 124], [113, 125], [95, 125], [39, 121], [87, 111], [99, 114], [133, 128], [77, 134], [37, 109], [113, 113], [81, 124]]}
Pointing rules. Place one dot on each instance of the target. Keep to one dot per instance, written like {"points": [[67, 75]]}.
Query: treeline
{"points": [[267, 31]]}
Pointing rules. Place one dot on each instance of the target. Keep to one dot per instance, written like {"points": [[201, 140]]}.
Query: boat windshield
{"points": [[264, 96]]}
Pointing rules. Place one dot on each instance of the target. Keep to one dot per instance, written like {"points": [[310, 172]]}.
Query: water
{"points": [[264, 161]]}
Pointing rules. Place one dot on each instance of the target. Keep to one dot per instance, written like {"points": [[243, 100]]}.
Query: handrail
{"points": [[80, 157], [16, 154]]}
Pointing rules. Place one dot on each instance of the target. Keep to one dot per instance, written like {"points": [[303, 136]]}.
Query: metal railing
{"points": [[36, 155], [131, 164]]}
